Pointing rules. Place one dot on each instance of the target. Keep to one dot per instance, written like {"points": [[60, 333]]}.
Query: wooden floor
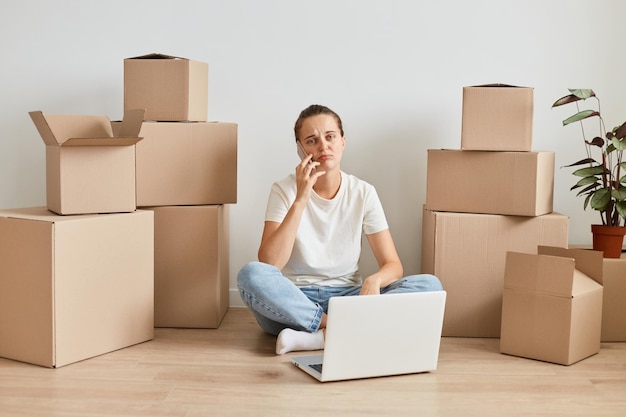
{"points": [[232, 371]]}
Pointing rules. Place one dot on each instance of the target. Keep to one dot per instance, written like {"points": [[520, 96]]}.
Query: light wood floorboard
{"points": [[232, 371]]}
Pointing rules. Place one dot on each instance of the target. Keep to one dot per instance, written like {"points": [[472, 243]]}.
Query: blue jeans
{"points": [[277, 303]]}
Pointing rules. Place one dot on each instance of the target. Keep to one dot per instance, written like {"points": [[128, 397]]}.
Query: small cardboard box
{"points": [[88, 169], [552, 305], [191, 266], [510, 183], [74, 287], [497, 117], [169, 88], [467, 252], [186, 164]]}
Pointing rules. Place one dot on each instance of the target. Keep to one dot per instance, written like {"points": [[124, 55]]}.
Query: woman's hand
{"points": [[390, 267], [371, 286], [306, 177]]}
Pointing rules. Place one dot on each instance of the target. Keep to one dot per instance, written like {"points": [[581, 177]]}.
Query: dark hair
{"points": [[314, 110]]}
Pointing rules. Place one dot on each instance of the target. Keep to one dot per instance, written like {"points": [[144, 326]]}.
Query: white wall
{"points": [[394, 70]]}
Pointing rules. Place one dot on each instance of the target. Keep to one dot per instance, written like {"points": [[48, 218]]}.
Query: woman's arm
{"points": [[390, 267], [278, 238]]}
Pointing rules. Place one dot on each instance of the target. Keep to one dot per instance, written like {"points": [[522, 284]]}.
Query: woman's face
{"points": [[320, 135]]}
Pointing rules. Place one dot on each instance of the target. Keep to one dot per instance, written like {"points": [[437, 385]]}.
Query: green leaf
{"points": [[586, 181], [623, 179], [580, 116], [589, 171], [582, 93], [619, 144], [600, 199], [586, 203], [577, 95], [620, 132], [619, 194]]}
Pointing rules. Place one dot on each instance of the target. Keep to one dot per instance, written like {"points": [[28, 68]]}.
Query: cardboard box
{"points": [[169, 88], [467, 252], [497, 117], [88, 169], [74, 287], [614, 299], [552, 305], [191, 266], [511, 183], [186, 164]]}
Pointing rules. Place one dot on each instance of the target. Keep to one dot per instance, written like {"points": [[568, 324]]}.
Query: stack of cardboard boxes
{"points": [[75, 283], [492, 196], [187, 176], [490, 235], [79, 277]]}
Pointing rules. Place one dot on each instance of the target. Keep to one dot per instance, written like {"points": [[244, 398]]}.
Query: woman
{"points": [[311, 241]]}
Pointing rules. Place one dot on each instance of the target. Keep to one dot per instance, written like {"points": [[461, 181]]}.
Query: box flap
{"points": [[100, 142], [552, 275], [42, 127], [57, 129], [131, 124], [590, 262], [156, 55], [81, 130], [583, 284]]}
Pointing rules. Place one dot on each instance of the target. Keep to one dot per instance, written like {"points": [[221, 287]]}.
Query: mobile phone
{"points": [[302, 153]]}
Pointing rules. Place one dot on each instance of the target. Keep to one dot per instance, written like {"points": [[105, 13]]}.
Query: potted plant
{"points": [[602, 173]]}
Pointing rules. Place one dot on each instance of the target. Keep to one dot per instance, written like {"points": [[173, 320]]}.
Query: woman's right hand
{"points": [[306, 177]]}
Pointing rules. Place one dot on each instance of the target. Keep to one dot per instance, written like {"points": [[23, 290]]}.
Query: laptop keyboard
{"points": [[317, 367]]}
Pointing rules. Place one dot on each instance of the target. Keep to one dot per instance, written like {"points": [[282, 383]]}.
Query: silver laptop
{"points": [[379, 335]]}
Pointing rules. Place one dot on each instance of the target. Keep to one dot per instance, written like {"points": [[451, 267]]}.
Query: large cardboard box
{"points": [[186, 164], [191, 266], [74, 287], [88, 168], [497, 117], [467, 252], [169, 88], [511, 183], [552, 305]]}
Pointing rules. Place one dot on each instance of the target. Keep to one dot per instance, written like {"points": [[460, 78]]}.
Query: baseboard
{"points": [[235, 299]]}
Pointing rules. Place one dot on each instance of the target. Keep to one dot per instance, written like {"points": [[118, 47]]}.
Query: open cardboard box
{"points": [[74, 287], [88, 168], [552, 305]]}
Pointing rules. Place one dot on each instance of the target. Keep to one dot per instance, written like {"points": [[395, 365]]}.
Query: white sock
{"points": [[290, 340]]}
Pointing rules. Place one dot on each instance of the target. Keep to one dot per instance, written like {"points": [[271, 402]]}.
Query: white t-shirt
{"points": [[328, 242]]}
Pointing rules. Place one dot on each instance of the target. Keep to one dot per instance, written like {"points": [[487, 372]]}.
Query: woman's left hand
{"points": [[371, 286]]}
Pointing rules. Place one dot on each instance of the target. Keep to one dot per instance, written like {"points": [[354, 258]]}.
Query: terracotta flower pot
{"points": [[608, 239]]}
